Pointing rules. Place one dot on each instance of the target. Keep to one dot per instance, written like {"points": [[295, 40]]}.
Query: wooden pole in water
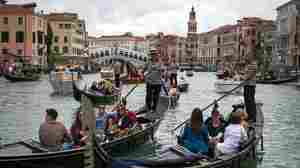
{"points": [[89, 121], [262, 143]]}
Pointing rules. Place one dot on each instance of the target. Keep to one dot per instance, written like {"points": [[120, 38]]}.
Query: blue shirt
{"points": [[195, 143]]}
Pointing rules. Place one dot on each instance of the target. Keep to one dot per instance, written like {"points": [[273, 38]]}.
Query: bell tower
{"points": [[192, 23]]}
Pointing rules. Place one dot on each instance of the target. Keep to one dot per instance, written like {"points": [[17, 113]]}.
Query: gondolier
{"points": [[249, 89], [172, 71], [153, 80], [117, 71]]}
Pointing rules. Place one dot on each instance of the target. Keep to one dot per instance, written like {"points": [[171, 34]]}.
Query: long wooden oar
{"points": [[215, 101], [131, 90]]}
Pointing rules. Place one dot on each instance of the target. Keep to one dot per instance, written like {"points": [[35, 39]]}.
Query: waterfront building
{"points": [[69, 35], [226, 45], [287, 38], [127, 41], [171, 47], [22, 33]]}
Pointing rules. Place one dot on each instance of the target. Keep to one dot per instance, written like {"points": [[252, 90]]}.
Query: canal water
{"points": [[22, 107]]}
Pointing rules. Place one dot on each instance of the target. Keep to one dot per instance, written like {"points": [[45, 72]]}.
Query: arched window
{"points": [[135, 56], [130, 55], [101, 54], [97, 55], [106, 52], [92, 55]]}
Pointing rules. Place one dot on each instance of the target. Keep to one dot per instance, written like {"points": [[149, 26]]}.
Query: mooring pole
{"points": [[89, 124], [262, 143]]}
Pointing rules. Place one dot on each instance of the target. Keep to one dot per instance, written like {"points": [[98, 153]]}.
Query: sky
{"points": [[110, 17]]}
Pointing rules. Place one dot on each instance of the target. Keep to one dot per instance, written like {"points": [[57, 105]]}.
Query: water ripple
{"points": [[23, 105]]}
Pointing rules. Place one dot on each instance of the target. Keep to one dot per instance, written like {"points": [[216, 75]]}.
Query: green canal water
{"points": [[22, 107]]}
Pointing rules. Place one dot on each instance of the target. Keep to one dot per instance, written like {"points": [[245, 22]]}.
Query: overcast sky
{"points": [[150, 16]]}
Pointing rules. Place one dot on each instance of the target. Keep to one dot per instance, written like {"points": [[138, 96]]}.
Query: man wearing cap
{"points": [[153, 80]]}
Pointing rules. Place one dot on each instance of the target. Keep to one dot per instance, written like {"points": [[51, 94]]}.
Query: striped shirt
{"points": [[172, 69], [251, 73]]}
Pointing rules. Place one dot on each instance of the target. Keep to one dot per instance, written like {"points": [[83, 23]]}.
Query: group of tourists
{"points": [[159, 78], [215, 136], [120, 122], [53, 134], [103, 87]]}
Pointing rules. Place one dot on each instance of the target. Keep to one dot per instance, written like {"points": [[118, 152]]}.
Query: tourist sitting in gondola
{"points": [[234, 135], [94, 87], [121, 124], [216, 125], [53, 134], [79, 135], [244, 115], [195, 134]]}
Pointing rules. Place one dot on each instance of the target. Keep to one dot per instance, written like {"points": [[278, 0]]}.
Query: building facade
{"points": [[171, 47], [22, 33], [226, 45], [69, 34], [127, 40], [287, 48]]}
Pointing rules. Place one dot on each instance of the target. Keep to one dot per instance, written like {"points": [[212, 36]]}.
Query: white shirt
{"points": [[234, 134]]}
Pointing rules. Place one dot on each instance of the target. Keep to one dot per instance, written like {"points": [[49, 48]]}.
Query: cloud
{"points": [[150, 16]]}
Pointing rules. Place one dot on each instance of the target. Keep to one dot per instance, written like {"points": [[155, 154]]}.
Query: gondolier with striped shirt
{"points": [[153, 80], [117, 71], [249, 88]]}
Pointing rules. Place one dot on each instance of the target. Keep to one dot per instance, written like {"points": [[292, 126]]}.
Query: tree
{"points": [[49, 44], [263, 54]]}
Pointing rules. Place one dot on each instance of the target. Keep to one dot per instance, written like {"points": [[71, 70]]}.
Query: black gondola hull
{"points": [[13, 78], [277, 81]]}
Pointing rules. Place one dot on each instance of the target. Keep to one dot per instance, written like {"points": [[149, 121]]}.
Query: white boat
{"points": [[61, 81], [298, 84], [224, 86]]}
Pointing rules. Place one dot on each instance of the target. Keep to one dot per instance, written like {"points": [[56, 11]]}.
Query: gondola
{"points": [[179, 157], [277, 81], [17, 78], [96, 99], [30, 154], [149, 122]]}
